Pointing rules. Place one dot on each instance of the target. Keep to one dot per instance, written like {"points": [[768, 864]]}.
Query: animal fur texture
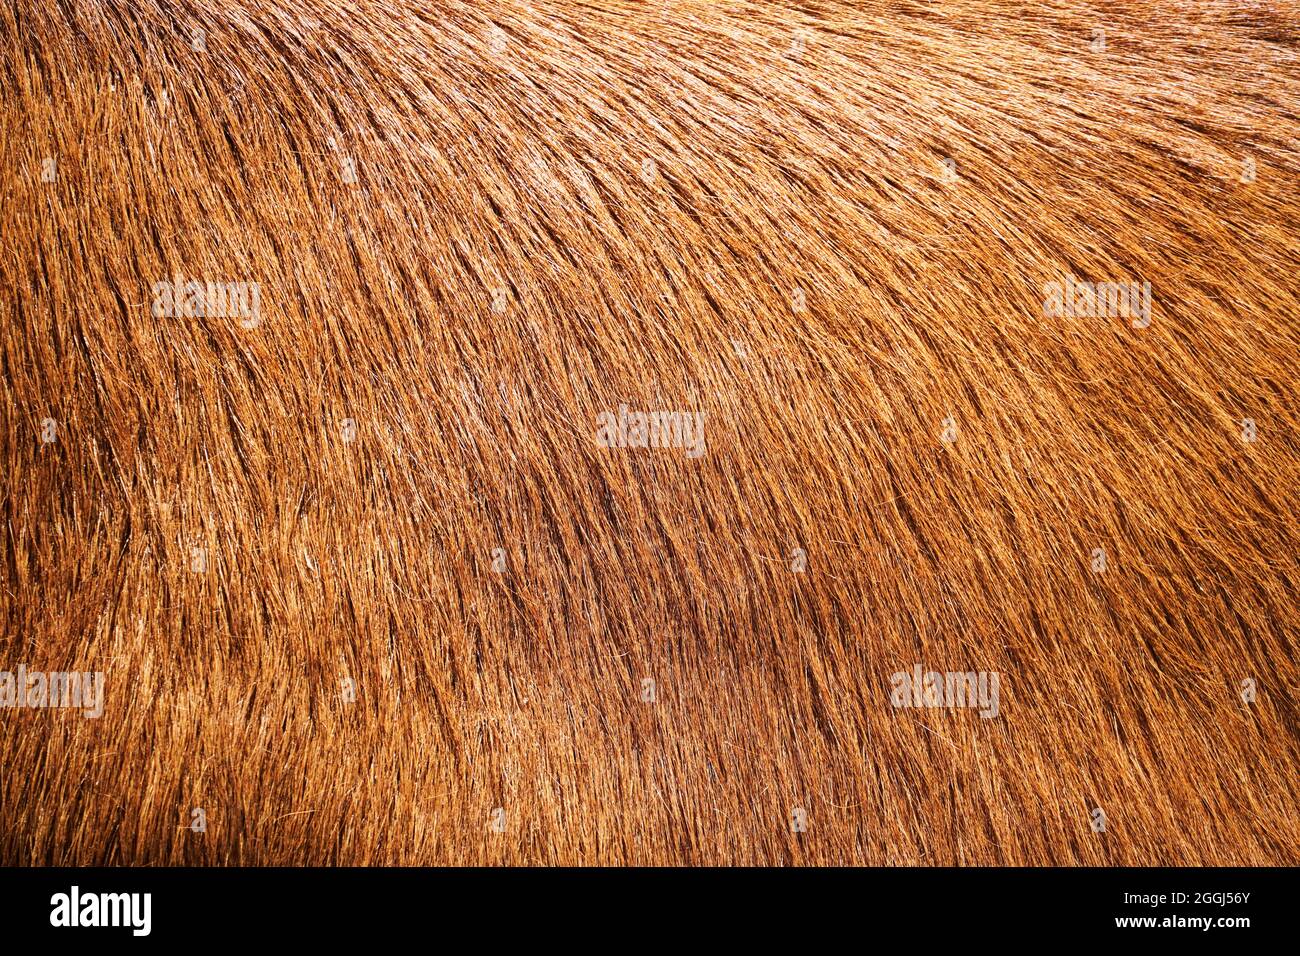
{"points": [[360, 530]]}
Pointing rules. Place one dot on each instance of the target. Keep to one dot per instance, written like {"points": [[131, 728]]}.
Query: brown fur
{"points": [[796, 262]]}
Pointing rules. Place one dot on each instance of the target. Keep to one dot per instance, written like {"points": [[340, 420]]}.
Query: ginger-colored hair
{"points": [[961, 338]]}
